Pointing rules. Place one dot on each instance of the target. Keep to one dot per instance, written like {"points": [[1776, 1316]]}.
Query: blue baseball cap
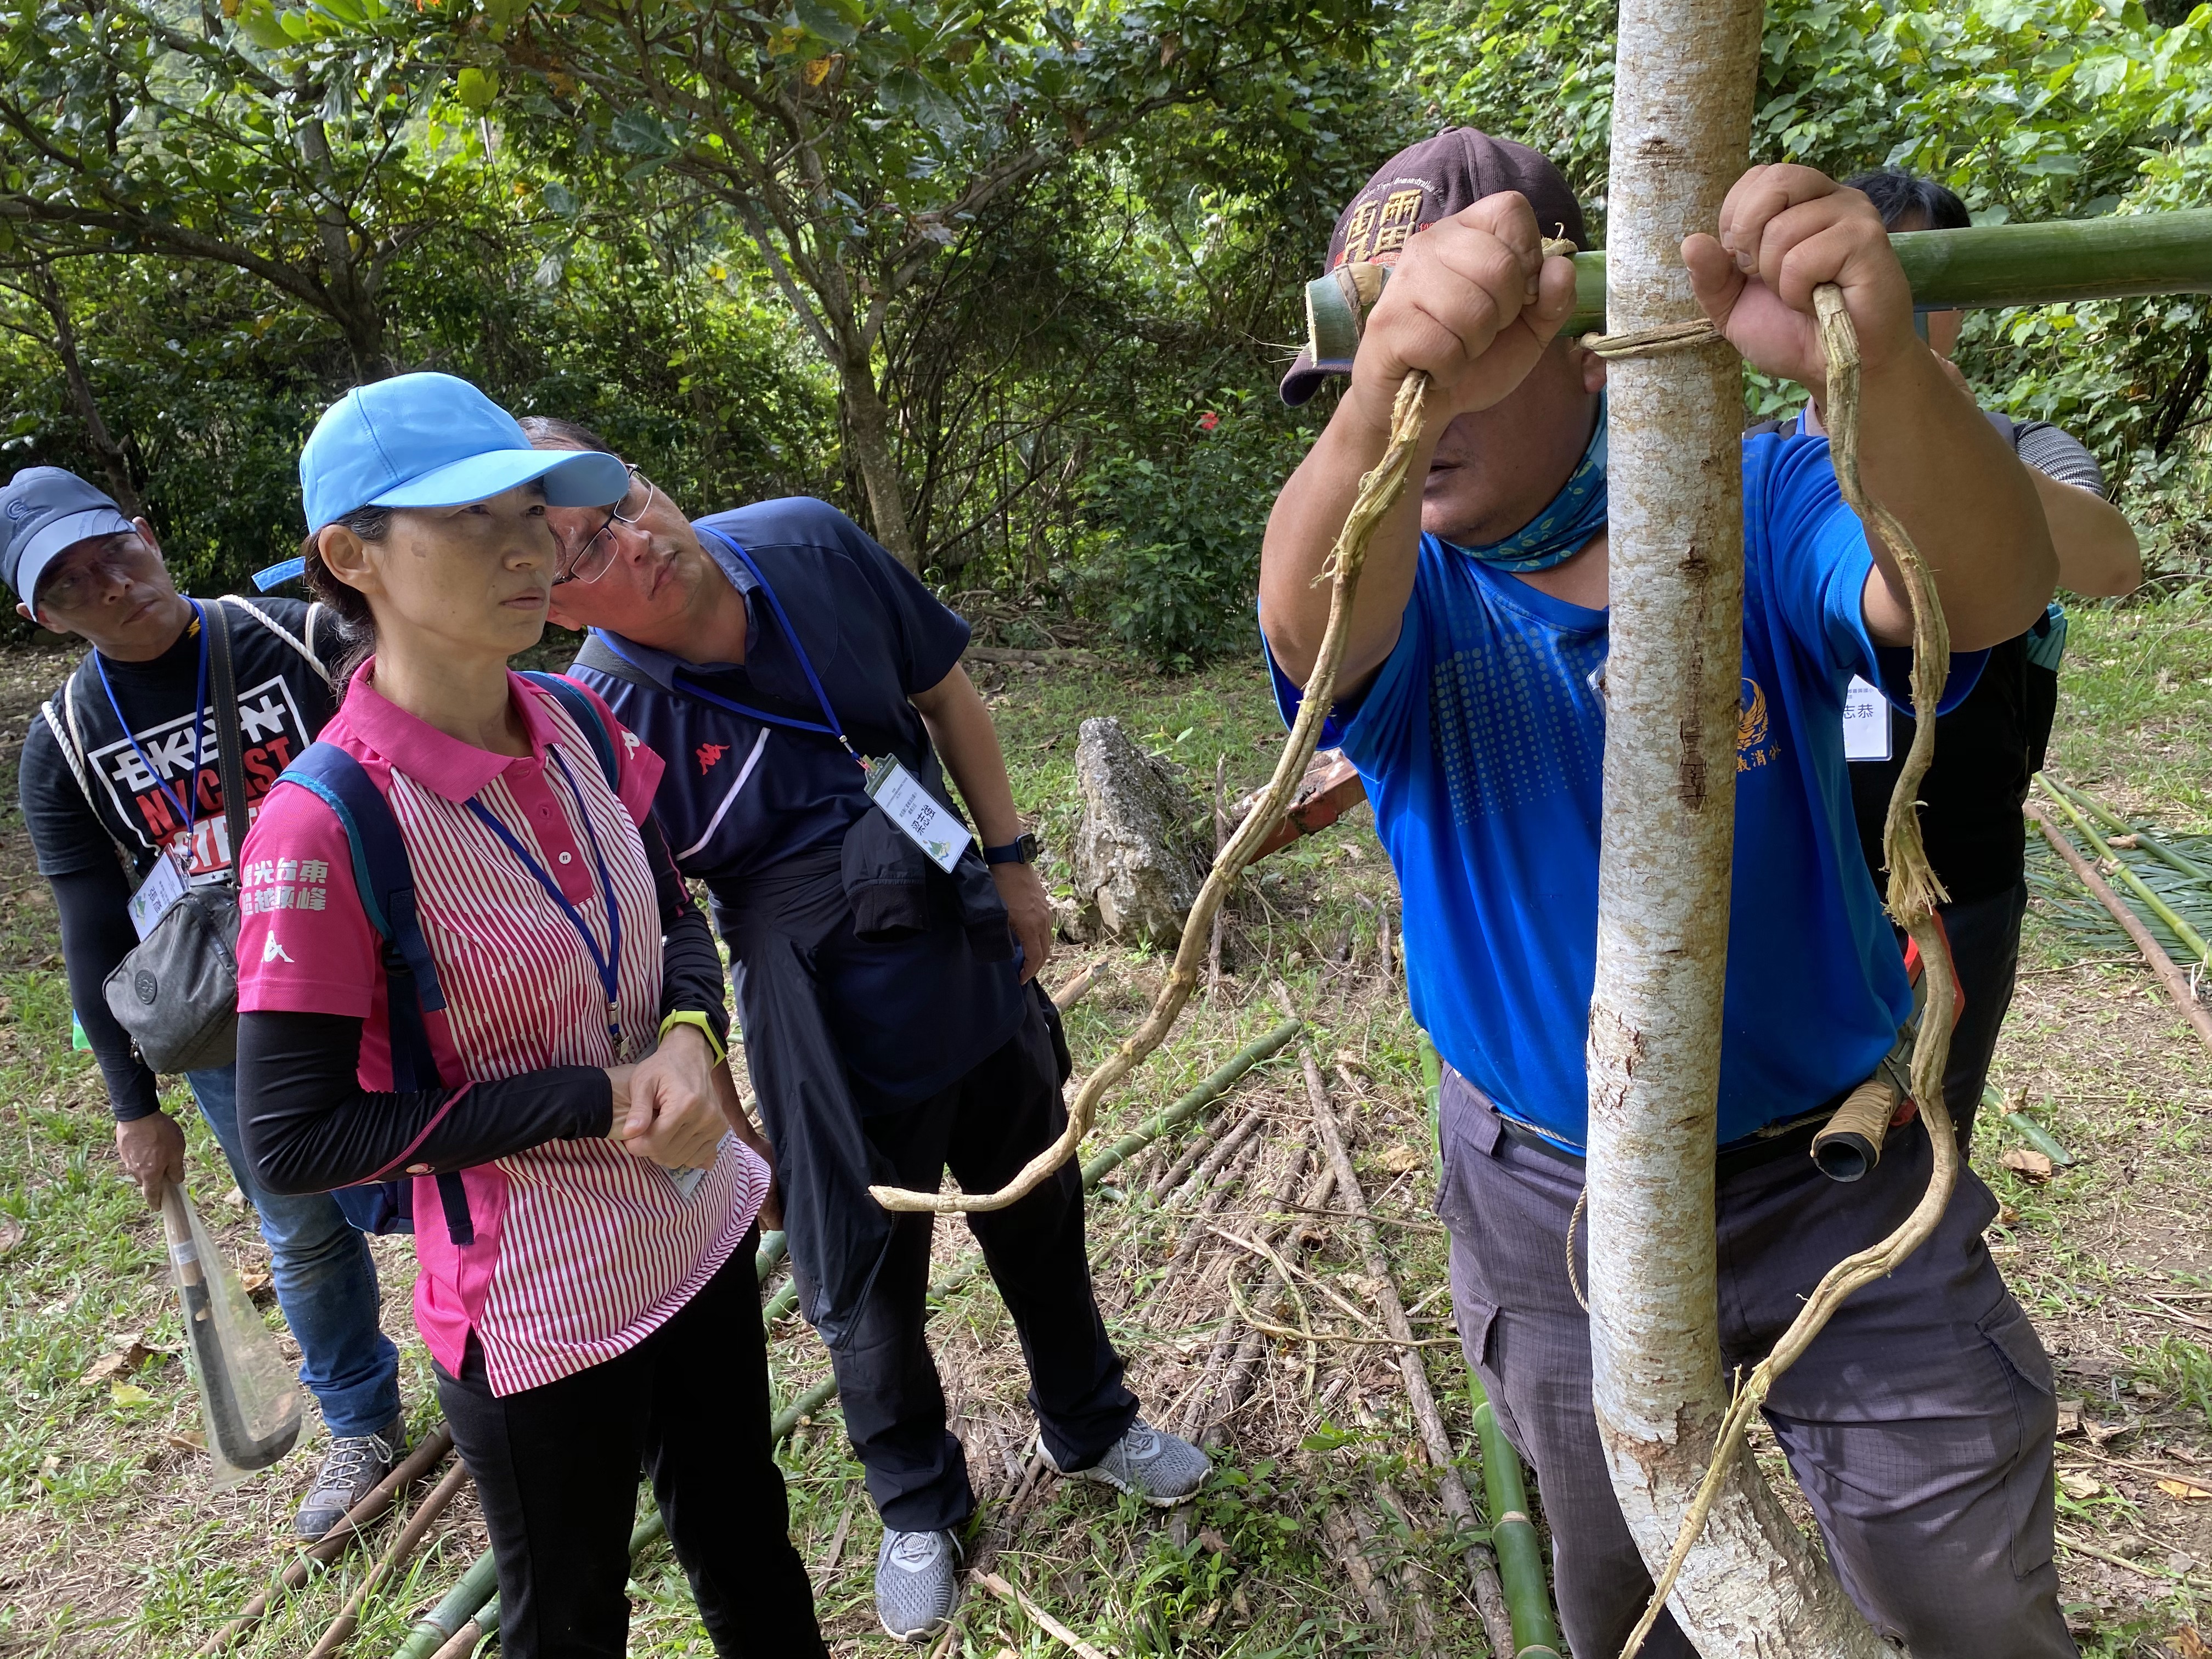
{"points": [[45, 512], [435, 440]]}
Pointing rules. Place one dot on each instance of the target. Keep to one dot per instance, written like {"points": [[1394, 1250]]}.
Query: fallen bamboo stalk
{"points": [[2153, 953], [1232, 1367], [472, 1600], [2165, 913], [464, 1641], [334, 1543], [1513, 1536], [1204, 1095], [1489, 1589], [1215, 1195], [1345, 1539], [417, 1528], [1005, 1592], [1079, 986], [2150, 842], [1209, 1159], [1422, 1616]]}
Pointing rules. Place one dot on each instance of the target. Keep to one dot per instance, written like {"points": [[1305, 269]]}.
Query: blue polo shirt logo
{"points": [[1752, 748]]}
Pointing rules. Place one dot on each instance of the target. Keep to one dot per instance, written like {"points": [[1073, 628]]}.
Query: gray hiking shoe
{"points": [[916, 1583], [1148, 1463], [351, 1468]]}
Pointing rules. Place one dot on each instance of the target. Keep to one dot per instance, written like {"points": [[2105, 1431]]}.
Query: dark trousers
{"points": [[1919, 1423], [1984, 936], [985, 1127], [557, 1470]]}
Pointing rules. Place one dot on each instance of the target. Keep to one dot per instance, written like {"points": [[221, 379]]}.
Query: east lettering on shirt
{"points": [[1481, 741]]}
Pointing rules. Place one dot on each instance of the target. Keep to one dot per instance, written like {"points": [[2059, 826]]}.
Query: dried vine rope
{"points": [[1379, 491], [1914, 892]]}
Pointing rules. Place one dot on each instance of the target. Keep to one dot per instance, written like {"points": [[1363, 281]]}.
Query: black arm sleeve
{"points": [[309, 1126], [96, 935], [690, 967]]}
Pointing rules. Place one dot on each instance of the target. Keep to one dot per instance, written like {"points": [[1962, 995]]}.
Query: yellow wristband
{"points": [[693, 1017]]}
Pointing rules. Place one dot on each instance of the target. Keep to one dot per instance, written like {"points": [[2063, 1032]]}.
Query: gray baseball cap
{"points": [[44, 511]]}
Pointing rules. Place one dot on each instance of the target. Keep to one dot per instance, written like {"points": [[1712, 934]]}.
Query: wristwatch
{"points": [[1022, 850]]}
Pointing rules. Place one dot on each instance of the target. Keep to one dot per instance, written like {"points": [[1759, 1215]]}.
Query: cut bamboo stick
{"points": [[417, 1528], [1348, 1544], [1489, 1590], [2169, 976], [1005, 1592], [2188, 936], [338, 1540], [2150, 841]]}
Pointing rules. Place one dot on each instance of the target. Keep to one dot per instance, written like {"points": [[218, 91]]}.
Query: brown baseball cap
{"points": [[1414, 189]]}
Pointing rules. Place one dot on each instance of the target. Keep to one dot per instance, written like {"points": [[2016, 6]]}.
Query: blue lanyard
{"points": [[829, 725], [188, 813], [610, 964]]}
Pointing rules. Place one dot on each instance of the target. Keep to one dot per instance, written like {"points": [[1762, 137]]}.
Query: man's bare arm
{"points": [[2098, 553], [1475, 303]]}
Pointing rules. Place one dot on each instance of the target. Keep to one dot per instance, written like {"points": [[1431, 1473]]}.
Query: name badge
{"points": [[164, 885], [1866, 722], [925, 821], [686, 1181]]}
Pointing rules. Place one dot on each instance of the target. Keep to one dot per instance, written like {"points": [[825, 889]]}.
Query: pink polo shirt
{"points": [[581, 1251]]}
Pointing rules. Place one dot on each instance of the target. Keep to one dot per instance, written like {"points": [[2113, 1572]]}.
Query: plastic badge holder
{"points": [[250, 1401]]}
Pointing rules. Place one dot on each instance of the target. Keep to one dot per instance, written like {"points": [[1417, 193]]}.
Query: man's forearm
{"points": [[1302, 530], [96, 935], [2098, 553], [966, 741], [1929, 456]]}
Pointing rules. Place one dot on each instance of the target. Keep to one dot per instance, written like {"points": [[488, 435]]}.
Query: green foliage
{"points": [[1180, 571]]}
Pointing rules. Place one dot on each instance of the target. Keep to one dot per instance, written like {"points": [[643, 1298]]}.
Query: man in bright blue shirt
{"points": [[1474, 703]]}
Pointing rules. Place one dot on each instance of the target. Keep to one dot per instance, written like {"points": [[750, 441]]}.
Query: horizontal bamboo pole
{"points": [[2051, 262]]}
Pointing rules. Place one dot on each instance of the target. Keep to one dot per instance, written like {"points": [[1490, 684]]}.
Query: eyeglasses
{"points": [[591, 562], [87, 575]]}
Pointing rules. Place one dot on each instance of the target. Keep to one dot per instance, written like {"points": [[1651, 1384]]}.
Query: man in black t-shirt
{"points": [[120, 770], [1989, 746]]}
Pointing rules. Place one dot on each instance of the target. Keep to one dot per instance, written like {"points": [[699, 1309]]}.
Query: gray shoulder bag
{"points": [[177, 993]]}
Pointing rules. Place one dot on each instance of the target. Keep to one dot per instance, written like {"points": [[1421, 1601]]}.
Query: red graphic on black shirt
{"points": [[708, 754], [272, 733]]}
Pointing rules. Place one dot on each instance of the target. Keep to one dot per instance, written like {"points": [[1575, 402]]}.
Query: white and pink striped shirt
{"points": [[581, 1251]]}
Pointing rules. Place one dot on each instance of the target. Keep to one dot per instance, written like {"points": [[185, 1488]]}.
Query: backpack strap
{"points": [[62, 724], [385, 879], [304, 645], [580, 709]]}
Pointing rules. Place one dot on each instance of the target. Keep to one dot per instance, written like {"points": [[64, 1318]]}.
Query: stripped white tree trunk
{"points": [[1681, 124]]}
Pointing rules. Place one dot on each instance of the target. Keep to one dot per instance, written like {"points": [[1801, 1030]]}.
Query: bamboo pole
{"points": [[1451, 1489], [334, 1543], [2054, 262], [418, 1526], [2188, 936], [2150, 842], [2146, 943], [1513, 1534]]}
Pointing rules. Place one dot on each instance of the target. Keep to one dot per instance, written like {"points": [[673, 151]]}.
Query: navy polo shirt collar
{"points": [[662, 667]]}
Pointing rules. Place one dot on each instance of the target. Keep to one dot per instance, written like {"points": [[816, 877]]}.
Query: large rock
{"points": [[1136, 861]]}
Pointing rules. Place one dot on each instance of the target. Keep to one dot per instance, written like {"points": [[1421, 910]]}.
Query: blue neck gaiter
{"points": [[1571, 518]]}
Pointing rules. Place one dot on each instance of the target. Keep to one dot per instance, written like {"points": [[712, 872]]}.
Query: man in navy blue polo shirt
{"points": [[892, 1019], [1920, 1422]]}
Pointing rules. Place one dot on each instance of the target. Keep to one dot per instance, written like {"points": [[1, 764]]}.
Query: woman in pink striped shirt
{"points": [[586, 1210]]}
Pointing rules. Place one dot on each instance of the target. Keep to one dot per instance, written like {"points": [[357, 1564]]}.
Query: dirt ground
{"points": [[1325, 1533]]}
